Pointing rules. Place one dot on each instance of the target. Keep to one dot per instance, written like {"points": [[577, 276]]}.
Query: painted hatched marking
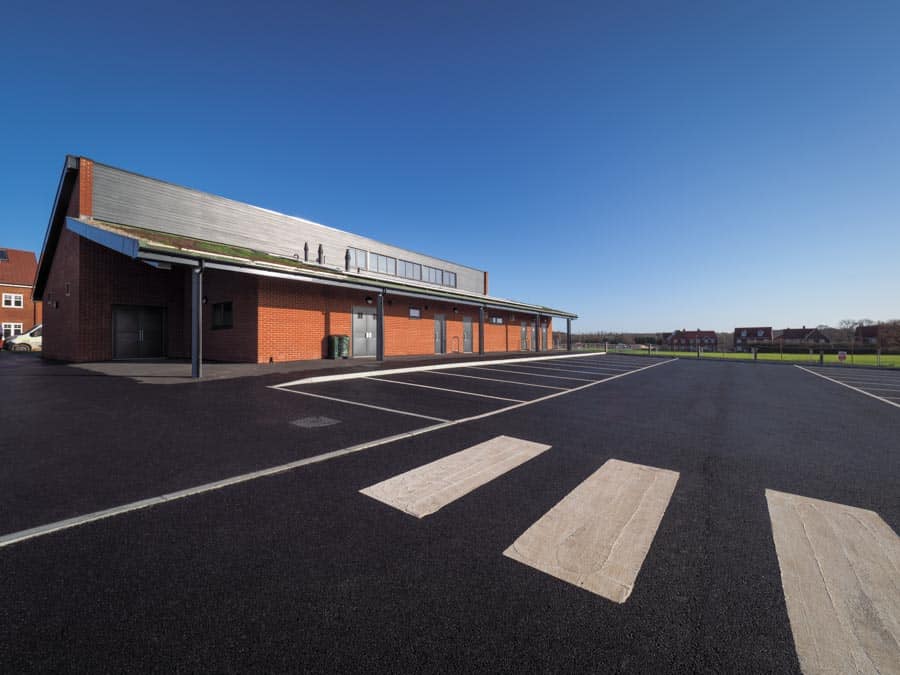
{"points": [[598, 536], [840, 571], [428, 488], [509, 371], [496, 379]]}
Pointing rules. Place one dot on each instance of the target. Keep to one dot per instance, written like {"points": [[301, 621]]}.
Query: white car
{"points": [[26, 342]]}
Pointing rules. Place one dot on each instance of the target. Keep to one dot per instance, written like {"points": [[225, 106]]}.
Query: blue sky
{"points": [[651, 166]]}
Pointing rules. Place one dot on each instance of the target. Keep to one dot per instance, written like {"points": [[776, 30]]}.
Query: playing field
{"points": [[883, 361]]}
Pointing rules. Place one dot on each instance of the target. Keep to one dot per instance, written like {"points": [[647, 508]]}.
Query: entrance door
{"points": [[467, 334], [523, 336], [365, 335], [440, 334], [545, 346], [138, 332]]}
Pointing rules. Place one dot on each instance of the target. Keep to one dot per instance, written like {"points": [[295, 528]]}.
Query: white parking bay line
{"points": [[840, 571], [429, 488], [452, 391], [519, 372], [367, 405], [598, 536], [496, 379], [850, 386]]}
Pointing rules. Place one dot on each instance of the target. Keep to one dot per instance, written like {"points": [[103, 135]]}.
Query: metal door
{"points": [[138, 332], [365, 335], [467, 334], [523, 336], [534, 344], [440, 334]]}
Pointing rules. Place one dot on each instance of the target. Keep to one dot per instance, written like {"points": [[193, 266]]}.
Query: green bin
{"points": [[342, 349], [333, 346]]}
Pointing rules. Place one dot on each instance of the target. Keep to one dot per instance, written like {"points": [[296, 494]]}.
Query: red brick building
{"points": [[747, 337], [134, 267], [18, 311], [690, 340]]}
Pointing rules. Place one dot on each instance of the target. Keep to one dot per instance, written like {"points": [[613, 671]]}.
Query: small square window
{"points": [[222, 315], [415, 313]]}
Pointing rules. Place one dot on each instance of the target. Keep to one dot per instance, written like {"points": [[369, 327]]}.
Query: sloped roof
{"points": [[18, 268]]}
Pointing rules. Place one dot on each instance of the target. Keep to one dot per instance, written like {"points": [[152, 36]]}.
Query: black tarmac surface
{"points": [[300, 572]]}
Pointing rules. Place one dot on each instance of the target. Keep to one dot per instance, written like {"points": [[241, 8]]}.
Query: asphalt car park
{"points": [[295, 566]]}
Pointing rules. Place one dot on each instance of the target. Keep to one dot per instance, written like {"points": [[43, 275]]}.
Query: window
{"points": [[432, 275], [497, 320], [743, 333], [450, 279], [12, 299], [357, 259], [382, 264], [222, 315], [10, 329], [409, 270], [4, 255], [415, 313]]}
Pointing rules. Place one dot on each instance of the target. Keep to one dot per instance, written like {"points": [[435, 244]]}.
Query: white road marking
{"points": [[519, 372], [555, 369], [598, 536], [421, 369], [379, 378], [428, 488], [849, 386], [367, 405], [49, 528], [495, 379], [840, 571]]}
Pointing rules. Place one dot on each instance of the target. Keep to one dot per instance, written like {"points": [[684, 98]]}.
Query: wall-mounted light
{"points": [[369, 300], [455, 310], [205, 300]]}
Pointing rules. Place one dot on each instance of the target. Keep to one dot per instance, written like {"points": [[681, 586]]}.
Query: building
{"points": [[18, 311], [135, 267], [747, 337], [878, 335], [691, 340], [800, 336]]}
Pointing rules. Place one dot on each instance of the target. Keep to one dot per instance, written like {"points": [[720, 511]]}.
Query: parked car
{"points": [[30, 341]]}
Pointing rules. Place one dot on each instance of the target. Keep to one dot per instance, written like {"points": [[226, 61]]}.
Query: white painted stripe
{"points": [[554, 369], [421, 369], [840, 571], [849, 386], [598, 536], [428, 488], [41, 530], [380, 378], [367, 405], [495, 379], [527, 374]]}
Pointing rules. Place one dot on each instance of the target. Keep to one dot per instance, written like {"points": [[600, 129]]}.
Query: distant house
{"points": [[747, 337], [884, 335], [689, 340], [18, 312], [801, 336]]}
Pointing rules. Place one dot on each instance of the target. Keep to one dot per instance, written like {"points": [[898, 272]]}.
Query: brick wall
{"points": [[60, 338], [29, 314], [239, 342]]}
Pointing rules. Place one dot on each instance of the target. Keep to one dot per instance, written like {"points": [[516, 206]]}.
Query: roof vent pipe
{"points": [[321, 257], [306, 251], [347, 259]]}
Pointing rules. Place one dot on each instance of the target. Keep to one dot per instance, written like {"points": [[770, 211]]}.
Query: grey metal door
{"points": [[138, 332], [534, 344], [467, 334], [365, 334], [523, 337], [440, 334]]}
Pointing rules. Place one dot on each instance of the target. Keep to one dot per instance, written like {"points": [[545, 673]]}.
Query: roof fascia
{"points": [[116, 242], [55, 224]]}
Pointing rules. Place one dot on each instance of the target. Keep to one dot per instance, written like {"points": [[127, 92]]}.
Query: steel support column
{"points": [[481, 331], [537, 332], [379, 328], [568, 335], [197, 321]]}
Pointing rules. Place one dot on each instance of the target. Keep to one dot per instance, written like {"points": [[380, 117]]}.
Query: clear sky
{"points": [[650, 166]]}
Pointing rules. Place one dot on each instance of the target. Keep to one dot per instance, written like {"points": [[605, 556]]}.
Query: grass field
{"points": [[886, 361]]}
